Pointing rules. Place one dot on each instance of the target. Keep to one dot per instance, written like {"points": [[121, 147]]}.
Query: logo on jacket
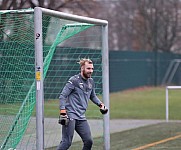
{"points": [[90, 85], [81, 85]]}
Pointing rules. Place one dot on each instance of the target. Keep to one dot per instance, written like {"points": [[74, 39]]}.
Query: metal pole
{"points": [[167, 105], [105, 80], [73, 17], [175, 67], [167, 99], [39, 79]]}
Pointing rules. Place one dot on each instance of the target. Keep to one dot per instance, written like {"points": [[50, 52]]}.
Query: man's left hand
{"points": [[103, 109]]}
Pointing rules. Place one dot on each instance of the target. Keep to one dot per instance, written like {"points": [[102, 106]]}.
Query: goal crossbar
{"points": [[63, 15]]}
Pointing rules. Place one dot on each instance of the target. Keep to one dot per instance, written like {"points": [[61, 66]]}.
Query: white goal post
{"points": [[39, 63], [167, 99]]}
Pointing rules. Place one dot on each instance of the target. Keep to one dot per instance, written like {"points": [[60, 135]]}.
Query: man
{"points": [[73, 104]]}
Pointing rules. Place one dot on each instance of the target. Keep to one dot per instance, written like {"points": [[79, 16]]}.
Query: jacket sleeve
{"points": [[65, 93], [93, 96]]}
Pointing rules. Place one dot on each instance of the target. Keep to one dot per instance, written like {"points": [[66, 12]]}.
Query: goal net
{"points": [[64, 42]]}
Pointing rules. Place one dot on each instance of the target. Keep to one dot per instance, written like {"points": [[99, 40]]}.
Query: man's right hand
{"points": [[63, 118]]}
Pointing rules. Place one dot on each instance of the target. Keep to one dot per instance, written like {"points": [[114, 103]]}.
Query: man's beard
{"points": [[87, 75]]}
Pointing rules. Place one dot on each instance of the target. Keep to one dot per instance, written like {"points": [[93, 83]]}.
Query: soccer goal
{"points": [[39, 49], [167, 98]]}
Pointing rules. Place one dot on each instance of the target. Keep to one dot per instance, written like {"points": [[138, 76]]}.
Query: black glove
{"points": [[63, 118], [103, 109]]}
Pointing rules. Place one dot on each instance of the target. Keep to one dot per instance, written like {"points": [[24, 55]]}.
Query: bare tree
{"points": [[119, 15], [143, 24], [156, 24], [133, 25], [74, 6], [78, 7]]}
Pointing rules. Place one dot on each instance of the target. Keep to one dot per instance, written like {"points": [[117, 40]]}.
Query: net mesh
{"points": [[64, 43]]}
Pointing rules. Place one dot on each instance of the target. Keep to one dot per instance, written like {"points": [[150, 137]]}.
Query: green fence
{"points": [[130, 69]]}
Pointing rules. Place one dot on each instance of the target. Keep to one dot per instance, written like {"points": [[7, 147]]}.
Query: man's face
{"points": [[87, 70]]}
